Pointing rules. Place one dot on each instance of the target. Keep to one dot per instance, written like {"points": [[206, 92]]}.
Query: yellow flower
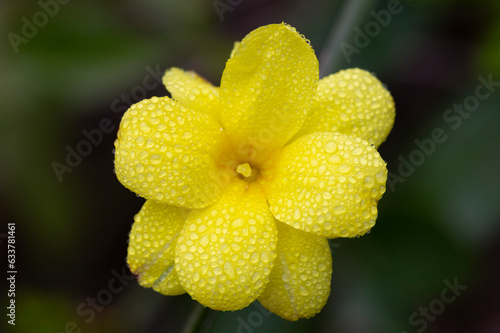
{"points": [[245, 183]]}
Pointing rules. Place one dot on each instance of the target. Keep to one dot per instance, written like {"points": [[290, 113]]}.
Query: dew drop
{"points": [[264, 258], [339, 210], [357, 151], [304, 292], [369, 182], [144, 127], [330, 147], [229, 270], [297, 215], [254, 258], [344, 168], [204, 241]]}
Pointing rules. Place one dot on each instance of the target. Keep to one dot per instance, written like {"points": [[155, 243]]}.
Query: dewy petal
{"points": [[226, 252], [266, 90], [328, 184], [193, 91], [300, 281], [151, 247], [165, 151], [352, 102]]}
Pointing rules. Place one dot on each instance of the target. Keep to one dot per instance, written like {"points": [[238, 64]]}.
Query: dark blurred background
{"points": [[70, 68]]}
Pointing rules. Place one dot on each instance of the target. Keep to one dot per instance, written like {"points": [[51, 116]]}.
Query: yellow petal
{"points": [[352, 102], [328, 184], [151, 247], [300, 280], [226, 252], [193, 91], [164, 152], [266, 90]]}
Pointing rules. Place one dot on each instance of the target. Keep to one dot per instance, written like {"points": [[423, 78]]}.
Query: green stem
{"points": [[198, 322], [351, 14]]}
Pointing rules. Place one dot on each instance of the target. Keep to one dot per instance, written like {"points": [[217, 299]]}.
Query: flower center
{"points": [[246, 172]]}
